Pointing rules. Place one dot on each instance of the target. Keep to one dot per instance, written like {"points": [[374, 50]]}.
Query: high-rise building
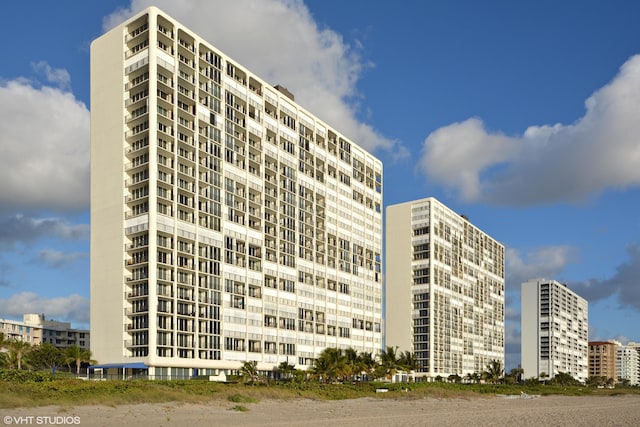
{"points": [[628, 363], [444, 290], [603, 358], [554, 330], [228, 223]]}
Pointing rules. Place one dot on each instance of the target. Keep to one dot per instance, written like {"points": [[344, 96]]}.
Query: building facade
{"points": [[36, 329], [228, 224], [444, 290], [554, 330], [603, 359], [628, 363]]}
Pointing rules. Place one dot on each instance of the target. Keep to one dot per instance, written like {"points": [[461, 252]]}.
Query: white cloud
{"points": [[280, 41], [44, 135], [57, 259], [544, 262], [56, 76], [546, 163], [457, 154], [73, 308]]}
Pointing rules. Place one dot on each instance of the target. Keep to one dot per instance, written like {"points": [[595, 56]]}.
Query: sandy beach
{"points": [[621, 410]]}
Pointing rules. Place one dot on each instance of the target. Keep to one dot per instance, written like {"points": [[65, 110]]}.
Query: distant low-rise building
{"points": [[36, 329]]}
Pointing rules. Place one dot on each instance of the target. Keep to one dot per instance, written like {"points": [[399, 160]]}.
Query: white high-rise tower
{"points": [[228, 223]]}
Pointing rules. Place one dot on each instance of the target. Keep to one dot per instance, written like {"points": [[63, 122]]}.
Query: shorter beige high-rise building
{"points": [[444, 290]]}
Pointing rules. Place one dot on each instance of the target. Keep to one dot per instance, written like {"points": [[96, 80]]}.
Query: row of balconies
{"points": [[189, 93]]}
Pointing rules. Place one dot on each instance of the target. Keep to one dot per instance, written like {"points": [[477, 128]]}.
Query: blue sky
{"points": [[525, 116]]}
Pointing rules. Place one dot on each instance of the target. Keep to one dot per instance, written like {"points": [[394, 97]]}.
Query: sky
{"points": [[524, 116]]}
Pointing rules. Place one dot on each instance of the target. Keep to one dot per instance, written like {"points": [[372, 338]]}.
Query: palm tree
{"points": [[494, 371], [321, 368], [517, 373], [77, 355], [249, 372], [408, 361], [390, 361], [369, 364], [285, 370], [352, 363], [17, 350]]}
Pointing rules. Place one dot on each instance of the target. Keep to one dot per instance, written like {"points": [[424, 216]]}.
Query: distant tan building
{"points": [[603, 356], [36, 329]]}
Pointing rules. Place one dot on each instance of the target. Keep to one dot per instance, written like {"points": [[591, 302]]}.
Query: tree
{"points": [[543, 377], [46, 355], [352, 363], [517, 373], [514, 376], [473, 377], [78, 355], [285, 370], [320, 369], [17, 349], [330, 365], [408, 361], [249, 372], [595, 381], [369, 364], [454, 378], [494, 371], [563, 379], [390, 361]]}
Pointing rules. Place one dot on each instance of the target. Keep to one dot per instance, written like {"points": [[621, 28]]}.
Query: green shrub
{"points": [[21, 376], [238, 398]]}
